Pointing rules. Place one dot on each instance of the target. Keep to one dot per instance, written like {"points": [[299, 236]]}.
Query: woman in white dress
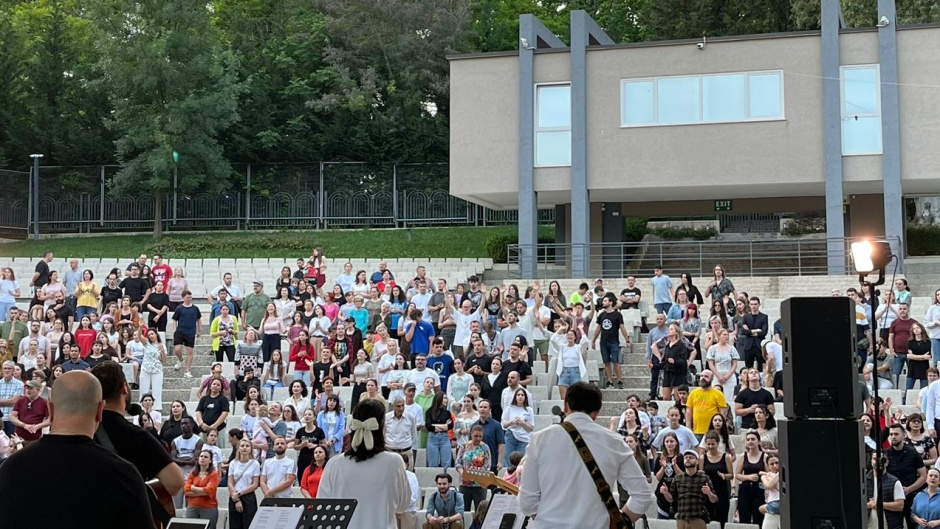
{"points": [[722, 359], [352, 475]]}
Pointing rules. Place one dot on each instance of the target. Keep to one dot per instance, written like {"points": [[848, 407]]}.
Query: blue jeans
{"points": [[900, 360], [910, 383], [935, 350], [5, 310], [513, 445], [439, 450], [303, 375], [81, 312], [272, 384], [662, 308]]}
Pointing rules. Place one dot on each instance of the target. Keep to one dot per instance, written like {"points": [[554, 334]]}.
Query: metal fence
{"points": [[805, 256], [79, 199]]}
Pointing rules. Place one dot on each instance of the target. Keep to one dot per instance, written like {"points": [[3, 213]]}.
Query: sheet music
{"points": [[501, 504], [277, 517]]}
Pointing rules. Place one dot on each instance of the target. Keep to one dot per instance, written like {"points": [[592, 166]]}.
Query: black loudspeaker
{"points": [[820, 362], [822, 474]]}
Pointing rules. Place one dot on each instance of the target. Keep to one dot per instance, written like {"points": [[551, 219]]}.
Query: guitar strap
{"points": [[156, 510], [617, 518]]}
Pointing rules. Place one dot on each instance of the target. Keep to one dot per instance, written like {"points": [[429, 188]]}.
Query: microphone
{"points": [[556, 411]]}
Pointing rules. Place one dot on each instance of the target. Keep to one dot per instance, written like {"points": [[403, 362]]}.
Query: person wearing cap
{"points": [[30, 414], [11, 390], [253, 308], [689, 492]]}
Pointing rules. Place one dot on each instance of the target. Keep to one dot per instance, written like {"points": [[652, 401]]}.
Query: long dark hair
{"points": [[209, 470], [365, 410], [313, 460], [722, 432]]}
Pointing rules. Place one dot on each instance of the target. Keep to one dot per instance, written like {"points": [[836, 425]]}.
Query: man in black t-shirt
{"points": [[70, 455], [158, 305], [110, 292], [750, 398], [609, 323], [517, 362], [630, 296], [40, 278], [135, 287], [478, 363], [63, 310], [141, 448]]}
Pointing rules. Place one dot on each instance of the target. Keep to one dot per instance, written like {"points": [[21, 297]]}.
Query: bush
{"points": [[923, 240], [804, 225], [674, 233], [636, 228], [495, 246]]}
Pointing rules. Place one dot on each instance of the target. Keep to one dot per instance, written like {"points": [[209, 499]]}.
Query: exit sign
{"points": [[723, 205]]}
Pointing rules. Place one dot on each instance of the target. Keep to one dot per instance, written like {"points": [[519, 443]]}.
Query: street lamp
{"points": [[176, 165], [35, 158], [870, 256]]}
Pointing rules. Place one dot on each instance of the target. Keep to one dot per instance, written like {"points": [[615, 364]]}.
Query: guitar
{"points": [[485, 478], [161, 503]]}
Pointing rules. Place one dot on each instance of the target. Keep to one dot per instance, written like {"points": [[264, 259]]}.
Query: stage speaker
{"points": [[822, 474], [820, 362]]}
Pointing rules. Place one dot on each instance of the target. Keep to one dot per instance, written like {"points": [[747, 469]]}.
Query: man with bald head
{"points": [[70, 454], [704, 402]]}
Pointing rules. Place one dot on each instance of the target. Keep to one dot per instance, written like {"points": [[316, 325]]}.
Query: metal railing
{"points": [[803, 256], [318, 195]]}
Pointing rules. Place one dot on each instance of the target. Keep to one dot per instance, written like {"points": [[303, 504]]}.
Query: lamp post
{"points": [[176, 165], [35, 158], [869, 256]]}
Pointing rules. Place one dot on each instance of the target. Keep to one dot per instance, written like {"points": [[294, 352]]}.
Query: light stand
{"points": [[869, 256]]}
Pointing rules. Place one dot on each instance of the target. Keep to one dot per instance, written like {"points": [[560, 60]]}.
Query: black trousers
{"points": [[242, 520], [750, 498]]}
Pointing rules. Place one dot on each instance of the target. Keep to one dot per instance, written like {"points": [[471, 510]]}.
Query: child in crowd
{"points": [[259, 436], [657, 422]]}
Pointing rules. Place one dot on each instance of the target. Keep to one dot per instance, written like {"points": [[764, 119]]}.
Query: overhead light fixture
{"points": [[883, 22], [524, 42], [870, 256]]}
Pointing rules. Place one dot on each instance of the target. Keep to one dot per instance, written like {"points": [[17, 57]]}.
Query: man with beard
{"points": [[278, 474], [704, 402]]}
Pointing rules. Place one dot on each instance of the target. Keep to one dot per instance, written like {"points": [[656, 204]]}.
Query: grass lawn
{"points": [[372, 243]]}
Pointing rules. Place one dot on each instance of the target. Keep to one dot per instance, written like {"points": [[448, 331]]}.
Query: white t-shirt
{"points": [[386, 361], [777, 350], [417, 377], [243, 473], [276, 471]]}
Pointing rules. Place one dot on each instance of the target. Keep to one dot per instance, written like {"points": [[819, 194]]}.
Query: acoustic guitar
{"points": [[161, 503], [485, 478]]}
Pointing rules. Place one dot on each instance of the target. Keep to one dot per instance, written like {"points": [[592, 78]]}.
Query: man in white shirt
{"points": [[235, 293], [421, 300], [401, 430], [556, 486], [416, 411], [409, 518], [45, 346], [687, 439], [278, 474], [506, 397], [417, 375]]}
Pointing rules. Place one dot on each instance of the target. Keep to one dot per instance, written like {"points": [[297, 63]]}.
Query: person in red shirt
{"points": [[310, 481], [303, 354], [30, 415], [85, 335], [162, 272]]}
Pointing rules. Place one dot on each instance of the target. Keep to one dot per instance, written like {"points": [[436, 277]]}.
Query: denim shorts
{"points": [[569, 375], [610, 352]]}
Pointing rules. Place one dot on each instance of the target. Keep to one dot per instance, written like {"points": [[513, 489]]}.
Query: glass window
{"points": [[639, 102], [553, 125], [861, 110], [764, 98], [678, 100], [724, 98], [719, 98], [554, 106]]}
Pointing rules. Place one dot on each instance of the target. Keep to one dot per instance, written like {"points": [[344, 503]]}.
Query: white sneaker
{"points": [[188, 375], [178, 365]]}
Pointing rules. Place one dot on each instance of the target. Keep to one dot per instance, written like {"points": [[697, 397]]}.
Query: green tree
{"points": [[173, 88]]}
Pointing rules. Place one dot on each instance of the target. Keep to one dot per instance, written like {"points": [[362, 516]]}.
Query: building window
{"points": [[861, 109], [553, 125], [686, 100]]}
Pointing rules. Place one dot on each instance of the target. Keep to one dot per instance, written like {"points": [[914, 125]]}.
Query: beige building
{"points": [[841, 122]]}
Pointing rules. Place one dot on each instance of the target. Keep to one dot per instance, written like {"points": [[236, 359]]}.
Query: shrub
{"points": [[495, 246], [923, 240], [673, 233], [636, 228], [804, 225]]}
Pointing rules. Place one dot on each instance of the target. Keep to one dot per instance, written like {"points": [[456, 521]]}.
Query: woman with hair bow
{"points": [[352, 475]]}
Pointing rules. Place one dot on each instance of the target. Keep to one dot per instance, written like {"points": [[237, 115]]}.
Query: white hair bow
{"points": [[361, 431]]}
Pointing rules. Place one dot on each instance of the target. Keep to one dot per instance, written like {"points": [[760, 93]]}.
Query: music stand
{"points": [[318, 513]]}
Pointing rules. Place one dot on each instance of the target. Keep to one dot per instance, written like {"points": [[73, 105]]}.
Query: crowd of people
{"points": [[449, 371]]}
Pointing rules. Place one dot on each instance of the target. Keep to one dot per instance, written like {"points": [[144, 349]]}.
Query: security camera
{"points": [[700, 45]]}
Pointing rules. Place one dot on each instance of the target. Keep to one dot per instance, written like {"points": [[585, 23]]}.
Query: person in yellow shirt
{"points": [[703, 403]]}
